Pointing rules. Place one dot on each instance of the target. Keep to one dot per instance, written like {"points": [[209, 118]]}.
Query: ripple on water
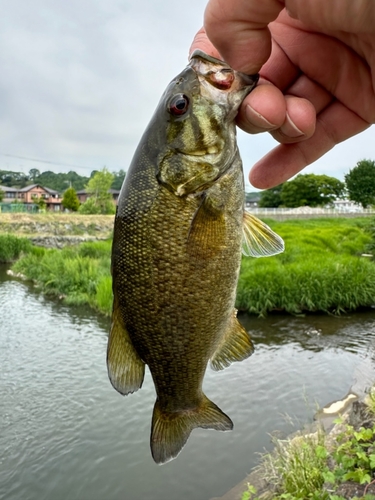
{"points": [[65, 433]]}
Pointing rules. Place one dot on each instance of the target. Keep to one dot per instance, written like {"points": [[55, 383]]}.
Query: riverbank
{"points": [[323, 268], [55, 230], [332, 459]]}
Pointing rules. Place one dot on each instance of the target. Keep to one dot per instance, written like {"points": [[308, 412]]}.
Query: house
{"points": [[252, 199], [83, 195], [346, 205], [28, 194]]}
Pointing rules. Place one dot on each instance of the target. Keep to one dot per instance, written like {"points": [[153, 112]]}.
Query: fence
{"points": [[309, 213], [17, 208]]}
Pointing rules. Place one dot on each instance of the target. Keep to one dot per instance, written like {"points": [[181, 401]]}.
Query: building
{"points": [[83, 195], [252, 199], [28, 194], [346, 205]]}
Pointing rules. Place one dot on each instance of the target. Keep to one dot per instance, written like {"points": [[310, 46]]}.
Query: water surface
{"points": [[65, 433]]}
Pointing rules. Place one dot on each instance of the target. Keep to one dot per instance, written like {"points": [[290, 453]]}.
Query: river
{"points": [[66, 434]]}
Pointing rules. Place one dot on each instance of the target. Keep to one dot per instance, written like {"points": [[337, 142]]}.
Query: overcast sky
{"points": [[80, 80]]}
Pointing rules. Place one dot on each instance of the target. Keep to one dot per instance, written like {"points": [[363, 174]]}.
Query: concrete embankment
{"points": [[57, 230]]}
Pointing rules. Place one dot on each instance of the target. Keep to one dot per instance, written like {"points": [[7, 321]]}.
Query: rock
{"points": [[359, 416], [61, 241]]}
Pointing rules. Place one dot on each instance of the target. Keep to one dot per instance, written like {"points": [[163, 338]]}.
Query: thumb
{"points": [[202, 42], [239, 31]]}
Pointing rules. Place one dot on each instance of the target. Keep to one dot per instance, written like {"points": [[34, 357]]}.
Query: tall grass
{"points": [[76, 273], [320, 270], [11, 247]]}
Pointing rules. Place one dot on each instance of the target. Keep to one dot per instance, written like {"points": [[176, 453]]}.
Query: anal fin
{"points": [[236, 345], [170, 431], [125, 368]]}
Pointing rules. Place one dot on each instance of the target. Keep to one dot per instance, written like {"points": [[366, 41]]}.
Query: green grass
{"points": [[11, 247], [315, 465], [81, 275], [320, 270]]}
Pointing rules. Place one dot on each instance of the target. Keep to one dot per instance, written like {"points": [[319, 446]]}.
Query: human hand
{"points": [[317, 85]]}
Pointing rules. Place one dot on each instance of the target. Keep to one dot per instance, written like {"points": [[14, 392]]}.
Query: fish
{"points": [[179, 231]]}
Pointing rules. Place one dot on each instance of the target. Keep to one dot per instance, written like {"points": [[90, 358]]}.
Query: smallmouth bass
{"points": [[179, 229]]}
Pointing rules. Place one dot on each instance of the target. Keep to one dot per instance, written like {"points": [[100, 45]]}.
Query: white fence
{"points": [[310, 211]]}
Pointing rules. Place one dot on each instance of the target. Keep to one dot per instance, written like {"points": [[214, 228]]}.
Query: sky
{"points": [[80, 80]]}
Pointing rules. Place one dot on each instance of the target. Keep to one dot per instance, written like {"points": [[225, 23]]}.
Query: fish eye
{"points": [[179, 104]]}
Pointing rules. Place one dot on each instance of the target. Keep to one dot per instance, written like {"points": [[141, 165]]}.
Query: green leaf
{"points": [[329, 477], [321, 451]]}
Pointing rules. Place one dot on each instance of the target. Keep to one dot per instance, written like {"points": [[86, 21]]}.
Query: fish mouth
{"points": [[211, 150], [219, 74]]}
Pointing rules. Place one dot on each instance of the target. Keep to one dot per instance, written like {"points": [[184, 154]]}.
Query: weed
{"points": [[306, 467], [320, 270], [11, 247], [79, 274]]}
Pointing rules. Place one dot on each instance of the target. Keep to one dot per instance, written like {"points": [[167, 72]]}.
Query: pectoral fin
{"points": [[125, 368], [259, 239], [236, 345], [207, 232]]}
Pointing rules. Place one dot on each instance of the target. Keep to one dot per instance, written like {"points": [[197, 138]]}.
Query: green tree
{"points": [[311, 190], [70, 200], [100, 199], [61, 181], [41, 202], [1, 195], [360, 183], [271, 197], [13, 179], [33, 174], [118, 179]]}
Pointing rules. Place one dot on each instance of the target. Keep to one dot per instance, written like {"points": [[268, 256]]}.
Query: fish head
{"points": [[199, 107]]}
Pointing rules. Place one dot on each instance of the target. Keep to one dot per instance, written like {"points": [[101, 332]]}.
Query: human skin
{"points": [[316, 59]]}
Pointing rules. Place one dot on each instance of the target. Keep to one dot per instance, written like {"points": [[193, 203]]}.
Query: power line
{"points": [[46, 161]]}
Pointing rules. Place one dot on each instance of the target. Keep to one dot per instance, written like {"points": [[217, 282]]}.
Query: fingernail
{"points": [[257, 119], [290, 129]]}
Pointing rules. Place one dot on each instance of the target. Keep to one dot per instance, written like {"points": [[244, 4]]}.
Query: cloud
{"points": [[80, 82]]}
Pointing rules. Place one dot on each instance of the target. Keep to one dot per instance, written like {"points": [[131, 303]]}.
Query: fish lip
{"points": [[206, 57], [201, 154], [247, 79]]}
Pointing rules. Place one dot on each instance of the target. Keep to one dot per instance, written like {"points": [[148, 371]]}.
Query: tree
{"points": [[271, 197], [61, 181], [100, 199], [118, 179], [33, 174], [13, 179], [41, 202], [1, 195], [360, 183], [311, 190], [70, 200]]}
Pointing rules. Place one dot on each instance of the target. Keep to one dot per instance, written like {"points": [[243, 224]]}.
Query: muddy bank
{"points": [[57, 230]]}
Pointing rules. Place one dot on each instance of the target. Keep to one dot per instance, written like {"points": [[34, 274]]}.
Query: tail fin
{"points": [[170, 431]]}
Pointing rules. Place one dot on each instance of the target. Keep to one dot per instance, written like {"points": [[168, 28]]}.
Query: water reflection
{"points": [[65, 433], [353, 332]]}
